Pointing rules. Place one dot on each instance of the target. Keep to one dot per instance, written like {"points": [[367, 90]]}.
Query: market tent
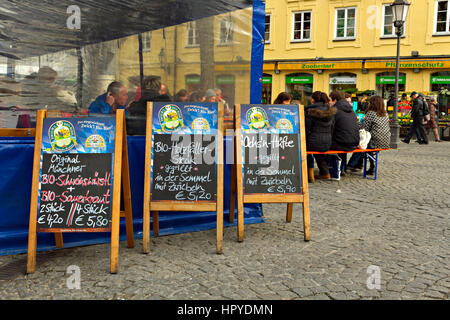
{"points": [[193, 45], [36, 27]]}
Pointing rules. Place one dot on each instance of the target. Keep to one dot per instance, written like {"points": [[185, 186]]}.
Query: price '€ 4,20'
{"points": [[75, 192]]}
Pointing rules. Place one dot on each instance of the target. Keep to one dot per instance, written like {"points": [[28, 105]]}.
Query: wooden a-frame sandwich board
{"points": [[154, 207], [237, 183], [121, 179]]}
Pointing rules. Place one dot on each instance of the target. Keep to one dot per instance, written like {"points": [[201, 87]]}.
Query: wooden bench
{"points": [[366, 156]]}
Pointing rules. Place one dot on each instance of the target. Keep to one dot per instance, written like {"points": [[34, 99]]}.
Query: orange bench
{"points": [[366, 155]]}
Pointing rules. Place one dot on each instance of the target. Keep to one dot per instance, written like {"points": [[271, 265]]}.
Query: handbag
{"points": [[364, 138], [426, 118]]}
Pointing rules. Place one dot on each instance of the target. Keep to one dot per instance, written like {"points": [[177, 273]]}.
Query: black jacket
{"points": [[418, 107], [346, 129], [319, 120], [138, 108], [137, 112]]}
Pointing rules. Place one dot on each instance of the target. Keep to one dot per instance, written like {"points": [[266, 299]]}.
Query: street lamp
{"points": [[400, 11]]}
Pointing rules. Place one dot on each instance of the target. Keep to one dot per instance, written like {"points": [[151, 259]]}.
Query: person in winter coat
{"points": [[432, 123], [116, 97], [376, 122], [419, 110], [151, 92], [345, 134], [319, 120], [346, 129]]}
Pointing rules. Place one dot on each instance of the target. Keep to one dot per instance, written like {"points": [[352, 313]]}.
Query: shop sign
{"points": [[193, 80], [421, 64], [390, 80], [320, 65], [225, 80], [267, 80], [299, 80], [343, 80], [232, 67], [440, 80]]}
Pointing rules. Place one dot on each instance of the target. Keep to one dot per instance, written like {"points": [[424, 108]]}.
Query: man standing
{"points": [[419, 110], [116, 97]]}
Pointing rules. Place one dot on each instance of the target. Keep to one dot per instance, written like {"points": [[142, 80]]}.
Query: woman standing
{"points": [[376, 122], [432, 124]]}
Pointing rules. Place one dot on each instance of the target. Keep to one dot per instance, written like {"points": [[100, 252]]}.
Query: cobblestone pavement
{"points": [[399, 223]]}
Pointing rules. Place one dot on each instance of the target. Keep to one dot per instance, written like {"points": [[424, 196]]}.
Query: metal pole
{"points": [[395, 127], [141, 61]]}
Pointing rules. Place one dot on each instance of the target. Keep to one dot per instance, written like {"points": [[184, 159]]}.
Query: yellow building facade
{"points": [[175, 55], [351, 45]]}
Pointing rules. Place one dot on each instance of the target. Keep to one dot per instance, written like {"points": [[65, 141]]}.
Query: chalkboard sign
{"points": [[270, 160], [76, 175], [180, 172], [184, 162], [79, 168], [76, 192], [271, 149], [271, 163]]}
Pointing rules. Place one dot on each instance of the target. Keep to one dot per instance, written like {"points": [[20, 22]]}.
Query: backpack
{"points": [[425, 109]]}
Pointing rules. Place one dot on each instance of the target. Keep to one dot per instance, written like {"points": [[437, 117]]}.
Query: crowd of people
{"points": [[332, 124], [330, 121], [423, 114], [152, 89]]}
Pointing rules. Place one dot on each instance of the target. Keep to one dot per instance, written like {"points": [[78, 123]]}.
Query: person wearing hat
{"points": [[419, 110], [211, 96]]}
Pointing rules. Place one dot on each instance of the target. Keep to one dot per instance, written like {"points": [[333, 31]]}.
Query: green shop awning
{"points": [[299, 80], [390, 80], [440, 80], [224, 80], [267, 80], [192, 79]]}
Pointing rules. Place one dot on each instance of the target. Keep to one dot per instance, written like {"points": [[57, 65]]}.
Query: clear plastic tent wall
{"points": [[62, 55]]}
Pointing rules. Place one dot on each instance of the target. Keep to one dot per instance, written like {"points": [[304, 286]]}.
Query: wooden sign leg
{"points": [[59, 240], [148, 161], [239, 178], [115, 225], [232, 193], [290, 207], [219, 196], [155, 216], [32, 236], [306, 219], [127, 191]]}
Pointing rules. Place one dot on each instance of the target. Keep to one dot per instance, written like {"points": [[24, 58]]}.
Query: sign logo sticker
{"points": [[171, 118], [200, 124], [62, 136], [257, 118], [95, 141], [284, 124]]}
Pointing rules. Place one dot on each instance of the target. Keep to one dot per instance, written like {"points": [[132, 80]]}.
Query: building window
{"points": [[345, 23], [192, 34], [267, 29], [442, 21], [301, 26], [388, 22], [226, 31], [146, 41]]}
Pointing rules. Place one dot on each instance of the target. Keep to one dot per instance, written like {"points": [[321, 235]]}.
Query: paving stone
{"points": [[368, 223]]}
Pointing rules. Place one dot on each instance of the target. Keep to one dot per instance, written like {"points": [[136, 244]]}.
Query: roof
{"points": [[36, 27]]}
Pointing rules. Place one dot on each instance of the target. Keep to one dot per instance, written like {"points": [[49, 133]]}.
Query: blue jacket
{"points": [[100, 106]]}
